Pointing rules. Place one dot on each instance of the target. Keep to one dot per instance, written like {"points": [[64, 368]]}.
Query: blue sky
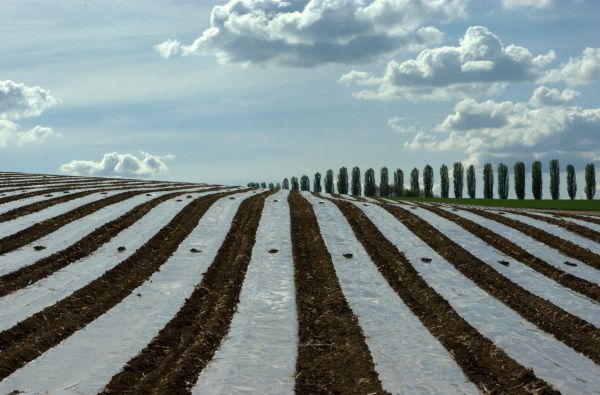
{"points": [[270, 89]]}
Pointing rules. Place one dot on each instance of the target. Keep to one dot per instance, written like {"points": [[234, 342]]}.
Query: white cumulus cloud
{"points": [[120, 165], [543, 96], [479, 64], [311, 32], [515, 4], [580, 70]]}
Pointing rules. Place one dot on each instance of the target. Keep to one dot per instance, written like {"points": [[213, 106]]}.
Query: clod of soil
{"points": [[179, 200], [195, 250], [426, 260], [47, 195], [275, 200], [139, 295], [39, 248], [414, 208], [121, 249], [66, 192], [570, 264], [273, 251], [148, 194], [232, 198], [348, 256], [505, 263], [321, 202], [104, 193], [365, 204], [189, 196]]}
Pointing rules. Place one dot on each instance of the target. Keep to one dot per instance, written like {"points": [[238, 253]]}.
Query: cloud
{"points": [[491, 131], [515, 4], [543, 96], [11, 134], [579, 70], [398, 125], [120, 165], [307, 33], [479, 64]]}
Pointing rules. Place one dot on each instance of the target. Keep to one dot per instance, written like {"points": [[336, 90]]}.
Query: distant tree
{"points": [[271, 185], [329, 181], [590, 181], [536, 180], [384, 183], [488, 181], [278, 186], [263, 184], [286, 184], [342, 181], [295, 185], [304, 183], [458, 175], [502, 181], [355, 184], [520, 180], [414, 182], [317, 183], [398, 182], [249, 185], [444, 181], [571, 182], [554, 179], [471, 181], [370, 188], [428, 181]]}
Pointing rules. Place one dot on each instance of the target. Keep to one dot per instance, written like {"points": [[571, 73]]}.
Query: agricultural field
{"points": [[125, 286]]}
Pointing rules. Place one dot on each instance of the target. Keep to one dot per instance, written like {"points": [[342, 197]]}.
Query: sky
{"points": [[249, 90]]}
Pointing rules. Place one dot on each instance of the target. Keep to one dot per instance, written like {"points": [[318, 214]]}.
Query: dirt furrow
{"points": [[171, 363], [568, 225], [566, 247], [568, 328], [500, 243], [30, 338], [88, 244], [486, 365]]}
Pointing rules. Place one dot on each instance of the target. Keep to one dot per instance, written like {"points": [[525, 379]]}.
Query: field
{"points": [[125, 286], [545, 204]]}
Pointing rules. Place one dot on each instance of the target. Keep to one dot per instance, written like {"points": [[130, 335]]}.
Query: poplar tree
{"points": [[458, 175], [571, 182], [428, 181], [398, 182], [355, 184], [370, 187], [286, 184], [317, 183], [536, 180], [278, 186], [488, 181], [304, 183], [271, 185], [502, 181], [263, 184], [329, 181], [471, 182], [342, 181], [554, 179], [444, 182], [590, 181], [520, 180], [384, 183], [295, 185], [414, 182]]}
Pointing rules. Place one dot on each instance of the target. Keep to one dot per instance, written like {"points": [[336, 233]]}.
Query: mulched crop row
{"points": [[171, 363], [568, 328], [44, 330], [486, 365], [566, 247], [568, 225], [333, 356], [584, 287]]}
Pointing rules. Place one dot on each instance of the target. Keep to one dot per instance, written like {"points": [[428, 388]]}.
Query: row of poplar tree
{"points": [[354, 185]]}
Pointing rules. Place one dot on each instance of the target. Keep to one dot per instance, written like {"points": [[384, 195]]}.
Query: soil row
{"points": [[580, 230], [568, 328], [44, 267], [44, 330], [172, 362], [584, 287], [566, 247], [486, 365]]}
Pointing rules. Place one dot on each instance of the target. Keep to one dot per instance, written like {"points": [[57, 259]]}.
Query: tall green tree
{"points": [[471, 181], [414, 182], [355, 183], [502, 181], [590, 181], [459, 177], [317, 183], [384, 182], [304, 183], [488, 181], [342, 181], [295, 185], [370, 188], [428, 181], [329, 181], [554, 179], [263, 185], [444, 182], [571, 182], [271, 185], [278, 186], [286, 184], [520, 180], [398, 182], [536, 180]]}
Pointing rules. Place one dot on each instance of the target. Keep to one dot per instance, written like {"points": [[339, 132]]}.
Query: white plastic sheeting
{"points": [[392, 331], [544, 252], [25, 302], [567, 370], [86, 361], [587, 224], [258, 356], [520, 274]]}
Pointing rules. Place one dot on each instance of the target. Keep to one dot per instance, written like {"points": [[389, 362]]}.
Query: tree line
{"points": [[355, 186]]}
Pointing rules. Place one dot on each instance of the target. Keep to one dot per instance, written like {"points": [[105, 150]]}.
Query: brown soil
{"points": [[568, 225], [333, 356], [564, 246], [483, 363], [500, 243], [44, 330], [568, 328], [171, 363]]}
